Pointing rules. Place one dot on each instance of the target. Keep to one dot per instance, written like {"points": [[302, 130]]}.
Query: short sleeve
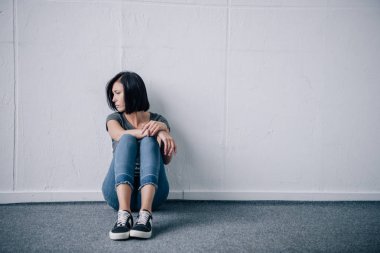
{"points": [[114, 116], [163, 120]]}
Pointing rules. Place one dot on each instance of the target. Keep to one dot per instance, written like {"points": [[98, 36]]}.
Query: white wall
{"points": [[267, 99]]}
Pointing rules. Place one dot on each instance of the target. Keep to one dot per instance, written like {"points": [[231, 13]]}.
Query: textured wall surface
{"points": [[7, 111], [267, 99]]}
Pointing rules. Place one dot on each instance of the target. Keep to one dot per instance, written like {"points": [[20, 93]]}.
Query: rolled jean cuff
{"points": [[124, 179], [155, 186], [149, 179], [125, 182]]}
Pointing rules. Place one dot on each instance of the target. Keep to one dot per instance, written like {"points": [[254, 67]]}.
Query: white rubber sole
{"points": [[119, 236], [140, 234]]}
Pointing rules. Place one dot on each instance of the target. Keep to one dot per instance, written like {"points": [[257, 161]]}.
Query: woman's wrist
{"points": [[164, 127]]}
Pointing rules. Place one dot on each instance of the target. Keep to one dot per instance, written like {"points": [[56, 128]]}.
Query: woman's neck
{"points": [[137, 118]]}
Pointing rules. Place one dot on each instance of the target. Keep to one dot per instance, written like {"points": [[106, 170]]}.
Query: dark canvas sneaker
{"points": [[122, 226], [143, 226]]}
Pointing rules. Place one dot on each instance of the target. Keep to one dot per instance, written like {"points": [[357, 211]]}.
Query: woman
{"points": [[141, 142]]}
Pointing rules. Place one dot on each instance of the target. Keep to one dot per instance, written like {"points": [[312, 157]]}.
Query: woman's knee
{"points": [[149, 140], [149, 146], [126, 142], [128, 138]]}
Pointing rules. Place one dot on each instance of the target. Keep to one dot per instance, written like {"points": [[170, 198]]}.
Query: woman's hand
{"points": [[153, 127], [169, 145]]}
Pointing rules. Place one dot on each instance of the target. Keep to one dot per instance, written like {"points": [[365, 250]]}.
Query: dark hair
{"points": [[135, 96]]}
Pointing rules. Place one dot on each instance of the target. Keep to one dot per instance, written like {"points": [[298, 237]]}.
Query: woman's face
{"points": [[118, 96]]}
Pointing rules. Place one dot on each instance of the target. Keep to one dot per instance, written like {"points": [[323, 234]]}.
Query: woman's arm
{"points": [[166, 158], [116, 131], [153, 127], [167, 146]]}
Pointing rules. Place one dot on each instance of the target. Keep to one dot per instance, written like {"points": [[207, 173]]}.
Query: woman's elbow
{"points": [[121, 134]]}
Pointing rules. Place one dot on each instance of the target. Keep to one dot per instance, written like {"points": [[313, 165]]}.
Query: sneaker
{"points": [[122, 226], [143, 226]]}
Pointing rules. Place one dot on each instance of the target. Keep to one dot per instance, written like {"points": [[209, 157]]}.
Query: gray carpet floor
{"points": [[196, 226]]}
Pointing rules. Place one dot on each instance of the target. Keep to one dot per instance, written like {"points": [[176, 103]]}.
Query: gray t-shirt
{"points": [[120, 117]]}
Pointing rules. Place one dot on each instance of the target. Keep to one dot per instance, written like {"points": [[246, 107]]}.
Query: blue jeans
{"points": [[122, 171]]}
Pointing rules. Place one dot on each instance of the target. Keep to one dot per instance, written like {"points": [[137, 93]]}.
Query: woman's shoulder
{"points": [[159, 117], [155, 116], [114, 115]]}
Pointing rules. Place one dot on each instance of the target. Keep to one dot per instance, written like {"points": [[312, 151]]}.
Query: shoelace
{"points": [[143, 218], [122, 218]]}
